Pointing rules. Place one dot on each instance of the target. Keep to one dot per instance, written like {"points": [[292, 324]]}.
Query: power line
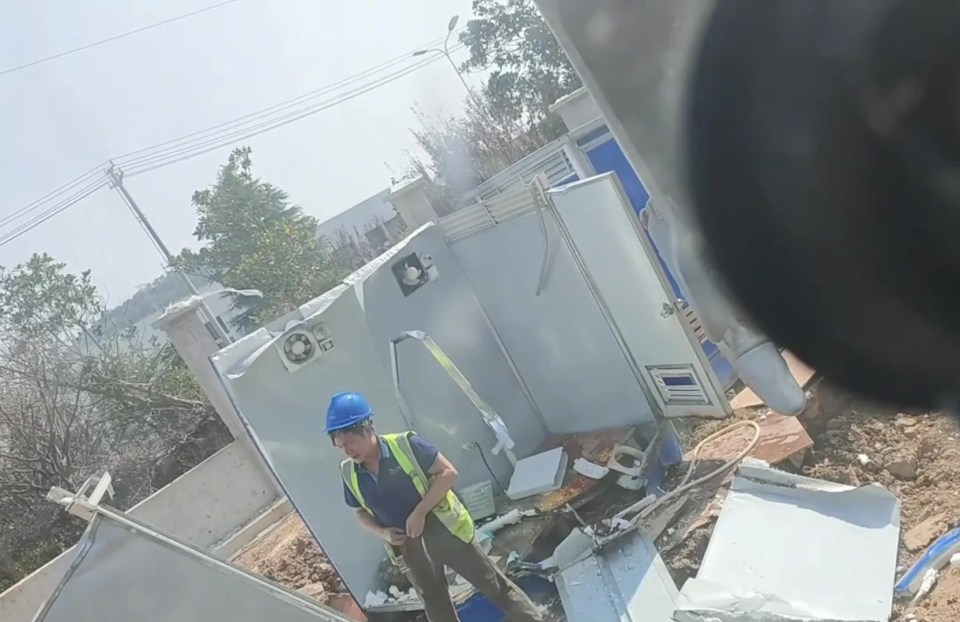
{"points": [[198, 143], [129, 33], [199, 146], [43, 217], [284, 104], [50, 195]]}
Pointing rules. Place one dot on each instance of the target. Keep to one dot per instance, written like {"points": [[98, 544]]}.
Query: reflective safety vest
{"points": [[450, 510]]}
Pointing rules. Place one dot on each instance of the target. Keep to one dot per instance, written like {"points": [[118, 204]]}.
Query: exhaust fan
{"points": [[303, 346], [413, 271]]}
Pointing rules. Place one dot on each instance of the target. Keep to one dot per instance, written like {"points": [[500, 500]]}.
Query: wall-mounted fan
{"points": [[303, 345], [413, 270]]}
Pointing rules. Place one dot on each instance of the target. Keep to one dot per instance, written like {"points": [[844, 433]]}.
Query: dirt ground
{"points": [[914, 455], [288, 555]]}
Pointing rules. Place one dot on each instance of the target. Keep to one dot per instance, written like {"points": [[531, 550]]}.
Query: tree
{"points": [[529, 69], [76, 400], [463, 151], [253, 238]]}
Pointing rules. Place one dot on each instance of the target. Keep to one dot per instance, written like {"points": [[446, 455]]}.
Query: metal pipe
{"points": [[539, 189], [488, 414]]}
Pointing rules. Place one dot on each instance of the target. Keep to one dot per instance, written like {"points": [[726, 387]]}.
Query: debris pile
{"points": [[288, 555], [914, 455], [395, 597]]}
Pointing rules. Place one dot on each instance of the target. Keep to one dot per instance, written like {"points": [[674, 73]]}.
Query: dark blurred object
{"points": [[389, 574], [823, 139]]}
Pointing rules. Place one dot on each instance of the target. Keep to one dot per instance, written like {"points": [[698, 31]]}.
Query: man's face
{"points": [[356, 444]]}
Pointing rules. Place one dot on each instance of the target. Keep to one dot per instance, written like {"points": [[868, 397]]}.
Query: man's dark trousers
{"points": [[427, 558]]}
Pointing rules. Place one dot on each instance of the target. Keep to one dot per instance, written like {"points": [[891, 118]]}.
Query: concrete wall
{"points": [[576, 109], [221, 504]]}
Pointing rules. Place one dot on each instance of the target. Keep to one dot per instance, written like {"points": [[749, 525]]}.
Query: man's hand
{"points": [[415, 523], [394, 536]]}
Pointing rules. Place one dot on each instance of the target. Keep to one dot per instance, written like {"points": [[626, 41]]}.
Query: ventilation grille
{"points": [[488, 213], [678, 385], [556, 166], [466, 221]]}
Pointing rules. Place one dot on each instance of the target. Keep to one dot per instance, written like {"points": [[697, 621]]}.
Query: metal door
{"points": [[602, 230]]}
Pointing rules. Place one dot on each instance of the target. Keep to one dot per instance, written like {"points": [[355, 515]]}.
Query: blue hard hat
{"points": [[346, 409]]}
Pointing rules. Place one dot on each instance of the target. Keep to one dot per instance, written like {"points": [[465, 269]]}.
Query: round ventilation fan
{"points": [[297, 348]]}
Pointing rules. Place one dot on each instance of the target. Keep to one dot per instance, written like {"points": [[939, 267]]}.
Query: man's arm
{"points": [[371, 524]]}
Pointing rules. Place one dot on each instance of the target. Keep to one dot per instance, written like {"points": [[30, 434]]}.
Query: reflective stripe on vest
{"points": [[450, 510]]}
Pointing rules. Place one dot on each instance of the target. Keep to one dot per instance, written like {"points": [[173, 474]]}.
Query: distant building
{"points": [[363, 231], [134, 318]]}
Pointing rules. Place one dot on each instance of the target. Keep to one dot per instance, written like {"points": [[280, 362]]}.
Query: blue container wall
{"points": [[607, 157]]}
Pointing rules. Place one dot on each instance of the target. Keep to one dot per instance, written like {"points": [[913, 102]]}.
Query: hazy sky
{"points": [[63, 117]]}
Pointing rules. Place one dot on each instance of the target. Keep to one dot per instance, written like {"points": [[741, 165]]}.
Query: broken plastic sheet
{"points": [[788, 548]]}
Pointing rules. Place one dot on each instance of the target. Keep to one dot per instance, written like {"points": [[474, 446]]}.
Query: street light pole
{"points": [[446, 52]]}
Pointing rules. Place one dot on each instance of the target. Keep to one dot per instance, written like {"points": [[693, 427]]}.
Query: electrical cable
{"points": [[177, 150], [124, 158], [114, 38], [16, 215], [51, 212], [483, 457], [175, 154], [685, 485]]}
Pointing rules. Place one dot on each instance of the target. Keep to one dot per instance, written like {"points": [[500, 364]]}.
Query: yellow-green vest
{"points": [[450, 510]]}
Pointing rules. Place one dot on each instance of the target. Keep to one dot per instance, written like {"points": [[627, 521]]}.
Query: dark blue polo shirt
{"points": [[390, 494]]}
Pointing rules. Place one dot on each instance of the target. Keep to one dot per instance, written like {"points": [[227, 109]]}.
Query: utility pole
{"points": [[115, 175]]}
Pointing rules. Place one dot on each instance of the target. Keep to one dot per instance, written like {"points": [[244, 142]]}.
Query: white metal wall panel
{"points": [[125, 572]]}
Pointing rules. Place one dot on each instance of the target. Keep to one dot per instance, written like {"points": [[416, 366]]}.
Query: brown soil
{"points": [[915, 456], [288, 555]]}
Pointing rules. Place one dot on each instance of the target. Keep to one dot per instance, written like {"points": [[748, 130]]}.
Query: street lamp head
{"points": [[420, 52], [453, 23]]}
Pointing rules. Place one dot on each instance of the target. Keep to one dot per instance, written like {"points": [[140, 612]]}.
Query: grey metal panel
{"points": [[449, 311], [466, 221], [625, 582], [286, 413], [559, 340], [123, 574], [549, 159], [621, 262], [845, 570]]}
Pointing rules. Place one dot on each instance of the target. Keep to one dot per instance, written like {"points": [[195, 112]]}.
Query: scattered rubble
{"points": [[288, 555], [904, 468], [923, 533], [915, 456]]}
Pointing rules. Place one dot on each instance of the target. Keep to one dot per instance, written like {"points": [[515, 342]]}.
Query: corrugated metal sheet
{"points": [[490, 212], [550, 160], [625, 582], [466, 221]]}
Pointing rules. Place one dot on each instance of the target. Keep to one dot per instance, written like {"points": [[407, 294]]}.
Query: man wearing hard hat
{"points": [[402, 489]]}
